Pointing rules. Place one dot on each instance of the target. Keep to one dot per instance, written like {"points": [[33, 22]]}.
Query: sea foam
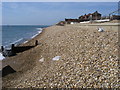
{"points": [[1, 56], [40, 31]]}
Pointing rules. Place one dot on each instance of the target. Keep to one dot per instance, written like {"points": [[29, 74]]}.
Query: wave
{"points": [[23, 40], [17, 41], [39, 28], [40, 31]]}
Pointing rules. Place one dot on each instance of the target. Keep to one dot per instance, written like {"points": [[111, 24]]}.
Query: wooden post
{"points": [[12, 47], [36, 42], [2, 48]]}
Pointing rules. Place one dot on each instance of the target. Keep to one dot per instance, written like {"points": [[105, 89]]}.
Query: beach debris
{"points": [[36, 42], [71, 23], [7, 53], [7, 70], [56, 58], [41, 60], [100, 29], [1, 56]]}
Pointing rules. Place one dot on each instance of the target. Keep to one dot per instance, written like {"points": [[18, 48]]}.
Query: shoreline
{"points": [[29, 42], [21, 41], [81, 58], [24, 38], [35, 37]]}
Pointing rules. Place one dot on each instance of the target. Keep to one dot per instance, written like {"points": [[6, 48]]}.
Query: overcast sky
{"points": [[48, 13]]}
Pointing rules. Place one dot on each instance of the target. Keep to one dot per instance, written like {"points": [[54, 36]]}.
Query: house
{"points": [[71, 20], [86, 17], [115, 17], [90, 16], [96, 16]]}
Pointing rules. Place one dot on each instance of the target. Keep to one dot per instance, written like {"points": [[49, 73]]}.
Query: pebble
{"points": [[41, 60], [89, 59]]}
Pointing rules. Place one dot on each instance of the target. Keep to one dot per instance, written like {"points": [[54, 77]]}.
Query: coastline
{"points": [[29, 42], [29, 34], [21, 41], [71, 42], [33, 38]]}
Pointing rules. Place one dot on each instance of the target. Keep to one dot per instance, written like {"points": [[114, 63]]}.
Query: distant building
{"points": [[115, 17], [90, 16], [96, 16], [71, 20]]}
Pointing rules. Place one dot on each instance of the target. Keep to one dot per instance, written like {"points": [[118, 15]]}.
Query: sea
{"points": [[17, 34]]}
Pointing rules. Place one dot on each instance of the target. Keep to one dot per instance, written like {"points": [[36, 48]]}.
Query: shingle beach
{"points": [[86, 58]]}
